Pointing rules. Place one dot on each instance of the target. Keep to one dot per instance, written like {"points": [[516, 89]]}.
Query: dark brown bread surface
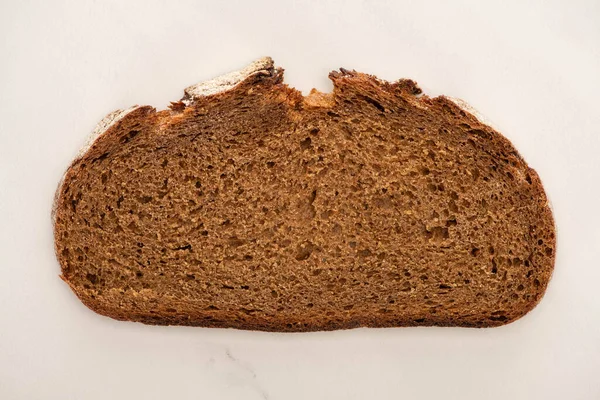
{"points": [[258, 208]]}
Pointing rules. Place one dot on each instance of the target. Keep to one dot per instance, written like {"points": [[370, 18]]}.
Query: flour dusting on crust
{"points": [[228, 81], [468, 108]]}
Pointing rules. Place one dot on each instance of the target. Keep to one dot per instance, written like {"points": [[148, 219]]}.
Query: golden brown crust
{"points": [[386, 101]]}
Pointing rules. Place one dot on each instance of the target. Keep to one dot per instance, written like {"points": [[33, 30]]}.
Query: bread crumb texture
{"points": [[257, 208]]}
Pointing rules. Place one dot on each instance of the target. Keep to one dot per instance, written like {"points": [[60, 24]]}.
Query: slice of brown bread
{"points": [[247, 205]]}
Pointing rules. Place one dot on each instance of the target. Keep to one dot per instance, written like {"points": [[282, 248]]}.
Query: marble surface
{"points": [[530, 67]]}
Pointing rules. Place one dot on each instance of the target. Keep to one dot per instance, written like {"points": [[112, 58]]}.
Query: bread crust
{"points": [[109, 133]]}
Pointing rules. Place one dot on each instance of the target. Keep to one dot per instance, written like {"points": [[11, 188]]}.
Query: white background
{"points": [[532, 67]]}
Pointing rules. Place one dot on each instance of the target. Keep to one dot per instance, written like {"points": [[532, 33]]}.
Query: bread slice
{"points": [[248, 205]]}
